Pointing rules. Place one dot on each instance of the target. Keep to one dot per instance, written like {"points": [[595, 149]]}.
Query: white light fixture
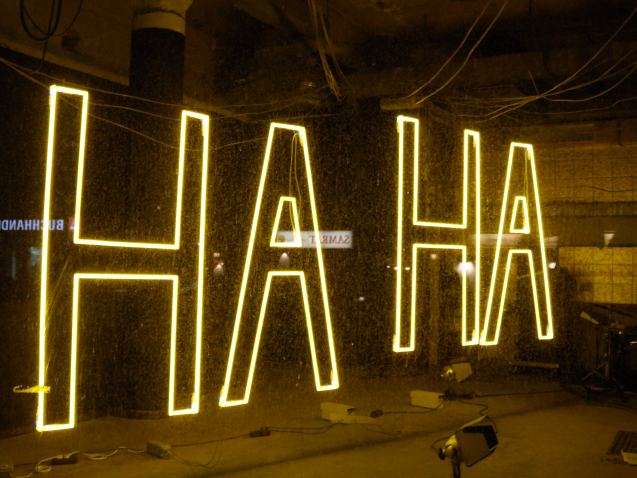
{"points": [[284, 260], [473, 442]]}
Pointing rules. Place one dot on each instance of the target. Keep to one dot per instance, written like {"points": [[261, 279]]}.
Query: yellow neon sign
{"points": [[223, 399], [471, 138], [414, 281], [525, 210], [465, 181], [296, 229], [503, 295], [40, 425], [180, 183], [546, 302]]}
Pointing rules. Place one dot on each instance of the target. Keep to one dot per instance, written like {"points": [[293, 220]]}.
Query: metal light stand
{"points": [[605, 364]]}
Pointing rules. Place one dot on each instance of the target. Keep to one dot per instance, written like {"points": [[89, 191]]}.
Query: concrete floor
{"points": [[566, 441], [540, 435]]}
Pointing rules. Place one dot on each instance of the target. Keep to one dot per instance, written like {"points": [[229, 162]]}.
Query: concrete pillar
{"points": [[157, 49], [156, 73]]}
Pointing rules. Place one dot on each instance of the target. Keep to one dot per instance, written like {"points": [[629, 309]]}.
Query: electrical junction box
{"points": [[6, 465], [420, 398], [158, 449], [327, 408]]}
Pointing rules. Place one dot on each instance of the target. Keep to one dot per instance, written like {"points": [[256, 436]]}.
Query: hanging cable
{"points": [[453, 54], [290, 102], [50, 31], [22, 73], [504, 106], [464, 63], [526, 100], [317, 19], [176, 105]]}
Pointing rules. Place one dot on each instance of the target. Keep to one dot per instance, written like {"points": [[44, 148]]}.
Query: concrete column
{"points": [[156, 73], [157, 49]]}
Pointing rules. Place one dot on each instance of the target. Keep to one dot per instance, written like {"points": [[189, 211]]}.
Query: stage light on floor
{"points": [[473, 442], [454, 375]]}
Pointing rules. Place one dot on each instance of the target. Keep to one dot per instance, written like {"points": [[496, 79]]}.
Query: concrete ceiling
{"points": [[245, 51], [387, 49]]}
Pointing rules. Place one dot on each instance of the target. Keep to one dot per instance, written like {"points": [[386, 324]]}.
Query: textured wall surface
{"points": [[606, 275], [600, 174]]}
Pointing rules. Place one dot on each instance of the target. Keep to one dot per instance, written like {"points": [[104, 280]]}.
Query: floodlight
{"points": [[473, 442], [454, 375]]}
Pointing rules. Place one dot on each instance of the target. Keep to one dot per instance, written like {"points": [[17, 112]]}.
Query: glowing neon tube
{"points": [[296, 229], [40, 423], [538, 236], [471, 138], [223, 399], [525, 229]]}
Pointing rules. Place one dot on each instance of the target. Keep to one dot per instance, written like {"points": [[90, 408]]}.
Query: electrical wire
{"points": [[444, 85], [607, 74], [289, 102], [484, 408], [603, 76], [438, 440], [293, 151], [305, 430], [245, 435], [318, 20], [632, 98], [219, 442], [77, 14], [300, 430], [453, 54], [47, 36], [556, 89], [39, 468], [508, 105], [596, 54], [17, 70], [51, 30], [286, 104], [97, 456], [407, 412], [202, 465], [580, 100], [102, 105], [481, 412], [138, 98]]}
